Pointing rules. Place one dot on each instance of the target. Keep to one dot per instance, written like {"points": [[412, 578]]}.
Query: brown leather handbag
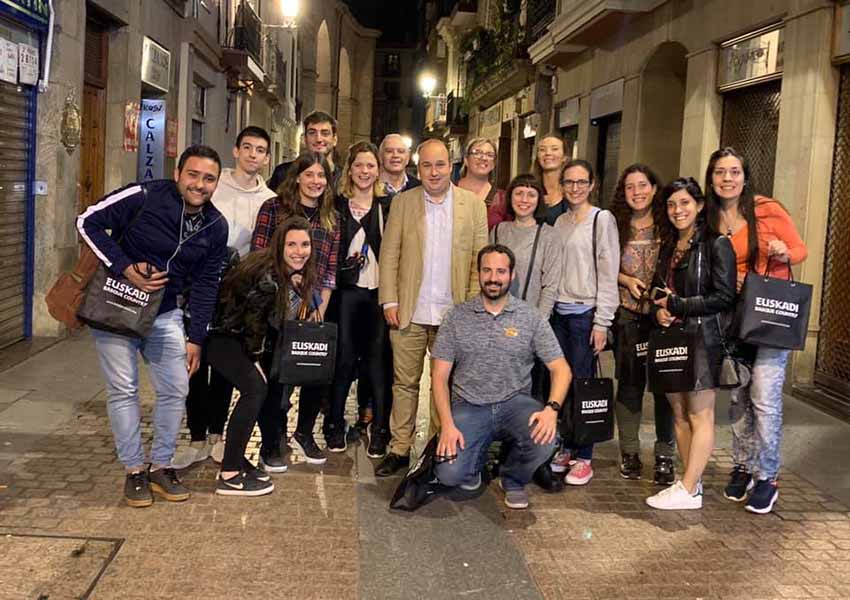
{"points": [[64, 298]]}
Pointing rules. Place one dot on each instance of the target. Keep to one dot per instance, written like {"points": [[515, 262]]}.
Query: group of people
{"points": [[514, 293]]}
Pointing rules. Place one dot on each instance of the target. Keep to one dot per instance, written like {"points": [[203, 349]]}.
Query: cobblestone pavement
{"points": [[66, 533]]}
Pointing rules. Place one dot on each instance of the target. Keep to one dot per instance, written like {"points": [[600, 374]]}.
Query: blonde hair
{"points": [[538, 170], [346, 188], [479, 141]]}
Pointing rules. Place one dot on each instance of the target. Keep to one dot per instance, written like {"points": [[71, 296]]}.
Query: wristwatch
{"points": [[553, 405]]}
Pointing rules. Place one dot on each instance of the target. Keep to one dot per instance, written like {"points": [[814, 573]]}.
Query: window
{"points": [[392, 64], [199, 112], [392, 90]]}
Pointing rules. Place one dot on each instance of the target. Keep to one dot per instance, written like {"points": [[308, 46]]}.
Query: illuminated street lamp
{"points": [[427, 83], [289, 10]]}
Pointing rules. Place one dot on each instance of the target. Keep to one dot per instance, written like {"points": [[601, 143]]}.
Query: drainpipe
{"points": [[43, 83]]}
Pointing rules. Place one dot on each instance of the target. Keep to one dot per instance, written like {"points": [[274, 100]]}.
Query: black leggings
{"points": [[226, 355], [362, 335], [208, 401]]}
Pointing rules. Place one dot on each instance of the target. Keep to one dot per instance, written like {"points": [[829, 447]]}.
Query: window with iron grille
{"points": [[392, 65], [199, 112]]}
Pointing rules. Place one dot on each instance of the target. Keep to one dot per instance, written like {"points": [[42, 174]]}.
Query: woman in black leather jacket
{"points": [[265, 289], [696, 270]]}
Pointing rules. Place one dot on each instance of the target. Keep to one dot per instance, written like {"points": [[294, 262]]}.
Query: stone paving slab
{"points": [[327, 533]]}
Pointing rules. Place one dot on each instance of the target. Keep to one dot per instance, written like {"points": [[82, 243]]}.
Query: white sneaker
{"points": [[217, 452], [675, 497], [189, 455]]}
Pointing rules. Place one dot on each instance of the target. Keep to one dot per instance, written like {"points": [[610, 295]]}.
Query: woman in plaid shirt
{"points": [[305, 192]]}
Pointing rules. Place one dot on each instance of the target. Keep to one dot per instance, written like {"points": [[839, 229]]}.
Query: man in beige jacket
{"points": [[428, 264]]}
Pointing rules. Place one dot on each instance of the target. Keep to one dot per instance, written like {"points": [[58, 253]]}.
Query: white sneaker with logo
{"points": [[675, 497]]}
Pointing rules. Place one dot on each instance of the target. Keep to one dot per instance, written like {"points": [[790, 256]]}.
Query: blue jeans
{"points": [[756, 415], [573, 333], [483, 424], [164, 351]]}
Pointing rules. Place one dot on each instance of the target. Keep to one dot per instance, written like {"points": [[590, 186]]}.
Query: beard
{"points": [[493, 294]]}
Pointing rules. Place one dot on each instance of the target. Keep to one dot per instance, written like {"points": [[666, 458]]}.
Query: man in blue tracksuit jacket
{"points": [[169, 229]]}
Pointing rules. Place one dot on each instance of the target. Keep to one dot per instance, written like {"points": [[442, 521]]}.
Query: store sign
{"points": [[28, 63], [607, 99], [131, 126], [490, 124], [37, 9], [156, 65], [568, 113], [151, 140], [530, 125], [171, 138], [8, 61], [751, 59], [842, 32]]}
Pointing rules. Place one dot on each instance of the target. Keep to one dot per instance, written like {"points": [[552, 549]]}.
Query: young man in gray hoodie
{"points": [[240, 193]]}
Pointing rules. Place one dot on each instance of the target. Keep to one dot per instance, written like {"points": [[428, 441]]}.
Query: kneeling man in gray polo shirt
{"points": [[491, 342]]}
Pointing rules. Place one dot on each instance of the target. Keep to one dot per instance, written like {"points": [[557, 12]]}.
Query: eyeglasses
{"points": [[575, 183], [482, 154]]}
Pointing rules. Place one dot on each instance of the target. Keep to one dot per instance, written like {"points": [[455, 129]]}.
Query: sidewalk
{"points": [[326, 532]]}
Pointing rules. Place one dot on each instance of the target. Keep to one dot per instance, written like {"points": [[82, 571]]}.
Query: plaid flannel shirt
{"points": [[325, 243]]}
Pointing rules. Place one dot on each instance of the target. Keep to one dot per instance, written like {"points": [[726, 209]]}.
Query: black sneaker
{"points": [[665, 472], [137, 490], [306, 446], [165, 483], [378, 441], [630, 466], [272, 460], [242, 484], [764, 496], [258, 473], [740, 482], [335, 440]]}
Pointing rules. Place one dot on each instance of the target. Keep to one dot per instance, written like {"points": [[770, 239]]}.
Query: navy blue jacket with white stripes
{"points": [[154, 237]]}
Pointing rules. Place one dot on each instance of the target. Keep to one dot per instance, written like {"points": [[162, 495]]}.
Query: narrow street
{"points": [[327, 533]]}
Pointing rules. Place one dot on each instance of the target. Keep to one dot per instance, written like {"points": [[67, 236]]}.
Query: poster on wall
{"points": [[171, 138], [28, 57], [131, 126], [8, 61], [151, 140]]}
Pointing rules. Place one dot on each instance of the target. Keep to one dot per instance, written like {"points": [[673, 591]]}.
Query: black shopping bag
{"points": [[774, 312], [114, 304], [670, 361], [592, 410], [307, 352], [631, 341], [420, 485]]}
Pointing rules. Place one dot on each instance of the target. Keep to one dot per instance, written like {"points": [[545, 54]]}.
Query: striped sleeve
{"points": [[114, 212]]}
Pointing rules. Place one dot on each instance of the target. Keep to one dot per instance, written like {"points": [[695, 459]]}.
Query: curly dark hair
{"points": [[530, 181], [623, 212]]}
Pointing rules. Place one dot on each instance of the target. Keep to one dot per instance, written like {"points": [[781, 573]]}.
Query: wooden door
{"points": [[93, 135]]}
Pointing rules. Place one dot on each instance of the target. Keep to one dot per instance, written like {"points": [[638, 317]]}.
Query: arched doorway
{"points": [[662, 110], [324, 95]]}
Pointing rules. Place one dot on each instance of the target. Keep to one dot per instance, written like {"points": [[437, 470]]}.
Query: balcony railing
{"points": [[457, 117], [247, 32], [540, 13]]}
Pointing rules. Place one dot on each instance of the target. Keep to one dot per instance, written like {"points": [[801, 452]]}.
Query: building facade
{"points": [[667, 83], [139, 82]]}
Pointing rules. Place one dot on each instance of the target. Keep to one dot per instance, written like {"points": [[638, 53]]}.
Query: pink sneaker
{"points": [[580, 473], [560, 462]]}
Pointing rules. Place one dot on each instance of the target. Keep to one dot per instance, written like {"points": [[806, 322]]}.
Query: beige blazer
{"points": [[403, 249]]}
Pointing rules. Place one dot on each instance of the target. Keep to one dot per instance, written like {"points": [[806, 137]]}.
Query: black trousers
{"points": [[227, 355], [208, 401], [363, 337]]}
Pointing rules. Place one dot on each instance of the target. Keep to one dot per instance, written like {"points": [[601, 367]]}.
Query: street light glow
{"points": [[427, 83], [289, 8]]}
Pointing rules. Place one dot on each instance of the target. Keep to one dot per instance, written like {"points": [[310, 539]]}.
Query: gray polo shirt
{"points": [[493, 354]]}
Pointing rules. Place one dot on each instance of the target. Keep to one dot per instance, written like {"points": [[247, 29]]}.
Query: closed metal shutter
{"points": [[751, 125], [14, 153], [608, 162], [832, 369]]}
